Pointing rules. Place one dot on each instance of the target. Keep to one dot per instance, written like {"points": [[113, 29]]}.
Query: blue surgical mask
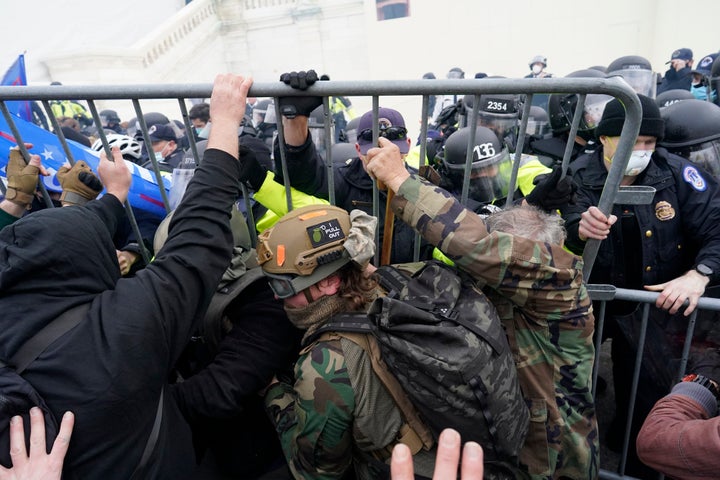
{"points": [[205, 131], [699, 92]]}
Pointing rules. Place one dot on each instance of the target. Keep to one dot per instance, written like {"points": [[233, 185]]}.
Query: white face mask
{"points": [[159, 156], [639, 160], [536, 69]]}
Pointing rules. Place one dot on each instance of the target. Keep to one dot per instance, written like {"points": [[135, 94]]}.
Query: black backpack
{"points": [[443, 340]]}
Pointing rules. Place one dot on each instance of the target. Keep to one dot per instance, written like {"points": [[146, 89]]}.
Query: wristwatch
{"points": [[704, 270], [704, 381]]}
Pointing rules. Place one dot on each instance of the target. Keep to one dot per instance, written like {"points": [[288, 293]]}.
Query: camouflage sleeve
{"points": [[544, 279], [314, 418]]}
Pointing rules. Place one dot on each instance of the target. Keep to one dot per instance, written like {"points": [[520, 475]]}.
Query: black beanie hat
{"points": [[613, 119]]}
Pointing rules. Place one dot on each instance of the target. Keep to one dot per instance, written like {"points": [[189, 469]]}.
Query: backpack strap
{"points": [[357, 329], [152, 439], [37, 344]]}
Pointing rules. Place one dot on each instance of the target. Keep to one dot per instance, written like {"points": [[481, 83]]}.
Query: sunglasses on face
{"points": [[391, 133]]}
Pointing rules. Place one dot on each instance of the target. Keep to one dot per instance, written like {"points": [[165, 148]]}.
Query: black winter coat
{"points": [[679, 228], [110, 369]]}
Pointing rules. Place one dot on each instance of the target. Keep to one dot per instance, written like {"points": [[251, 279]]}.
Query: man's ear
{"points": [[329, 285]]}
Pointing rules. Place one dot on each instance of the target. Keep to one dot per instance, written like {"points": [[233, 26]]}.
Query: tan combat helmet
{"points": [[304, 247]]}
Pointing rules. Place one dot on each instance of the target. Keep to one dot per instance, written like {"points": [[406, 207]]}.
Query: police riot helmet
{"points": [[350, 132], [497, 111], [304, 247], [109, 116], [715, 78], [561, 107], [456, 73], [538, 59], [538, 123], [259, 110], [128, 146], [692, 130], [668, 97], [155, 118], [491, 163], [637, 72]]}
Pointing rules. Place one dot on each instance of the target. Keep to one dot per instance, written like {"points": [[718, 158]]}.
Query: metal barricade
{"points": [[422, 89]]}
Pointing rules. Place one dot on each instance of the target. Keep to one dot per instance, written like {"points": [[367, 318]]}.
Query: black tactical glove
{"points": [[79, 184], [251, 172], [706, 363], [291, 107], [551, 192], [22, 180]]}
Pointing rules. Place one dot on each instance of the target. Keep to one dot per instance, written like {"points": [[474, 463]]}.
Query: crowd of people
{"points": [[208, 350]]}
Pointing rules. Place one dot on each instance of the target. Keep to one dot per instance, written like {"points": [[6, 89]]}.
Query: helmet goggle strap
{"points": [[389, 132]]}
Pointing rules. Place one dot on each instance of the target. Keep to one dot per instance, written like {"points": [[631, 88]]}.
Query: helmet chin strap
{"points": [[308, 295]]}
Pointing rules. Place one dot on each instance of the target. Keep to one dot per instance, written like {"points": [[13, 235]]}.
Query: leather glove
{"points": [[22, 179], [79, 184], [551, 192], [706, 363], [251, 172], [291, 107]]}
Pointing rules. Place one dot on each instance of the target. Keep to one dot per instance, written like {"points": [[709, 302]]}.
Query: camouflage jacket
{"points": [[337, 415], [539, 293]]}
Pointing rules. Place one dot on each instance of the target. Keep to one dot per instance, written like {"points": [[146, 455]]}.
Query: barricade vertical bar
{"points": [[376, 192], [686, 346], [635, 381], [577, 115], [148, 149], [599, 327], [58, 132], [422, 162], [189, 130], [328, 150], [519, 150], [283, 156], [23, 150], [128, 208], [465, 192]]}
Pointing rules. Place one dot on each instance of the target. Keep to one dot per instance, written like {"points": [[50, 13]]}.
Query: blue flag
{"points": [[144, 193], [15, 75]]}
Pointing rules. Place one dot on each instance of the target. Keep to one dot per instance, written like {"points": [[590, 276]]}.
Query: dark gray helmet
{"points": [[490, 159], [668, 97], [561, 107], [637, 72], [692, 130]]}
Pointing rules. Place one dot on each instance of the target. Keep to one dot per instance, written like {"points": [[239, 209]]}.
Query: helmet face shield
{"points": [[640, 80], [707, 156], [489, 177], [593, 110], [502, 125]]}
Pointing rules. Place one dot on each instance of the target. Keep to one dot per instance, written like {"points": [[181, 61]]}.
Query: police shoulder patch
{"points": [[692, 176]]}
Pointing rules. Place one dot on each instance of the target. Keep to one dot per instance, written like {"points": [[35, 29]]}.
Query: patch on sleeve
{"points": [[694, 178]]}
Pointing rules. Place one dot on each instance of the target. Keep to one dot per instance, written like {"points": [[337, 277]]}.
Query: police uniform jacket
{"points": [[678, 229]]}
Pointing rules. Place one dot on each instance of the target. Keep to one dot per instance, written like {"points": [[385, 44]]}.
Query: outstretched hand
{"points": [[386, 165], [37, 464], [227, 110]]}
